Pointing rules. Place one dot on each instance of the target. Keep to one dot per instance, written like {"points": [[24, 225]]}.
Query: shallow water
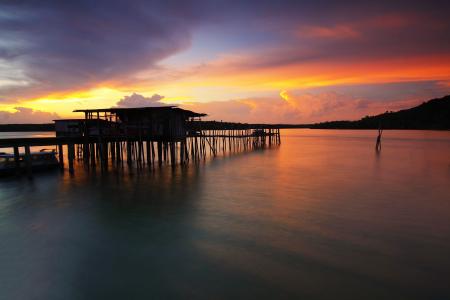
{"points": [[322, 216], [34, 134]]}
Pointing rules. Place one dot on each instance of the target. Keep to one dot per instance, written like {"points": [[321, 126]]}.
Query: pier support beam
{"points": [[28, 161], [16, 159], [159, 153], [118, 151], [172, 149], [148, 152], [61, 156], [129, 157], [182, 147], [113, 151], [70, 155], [92, 152]]}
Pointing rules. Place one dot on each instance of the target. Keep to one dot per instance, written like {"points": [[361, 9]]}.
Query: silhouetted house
{"points": [[83, 127], [156, 123]]}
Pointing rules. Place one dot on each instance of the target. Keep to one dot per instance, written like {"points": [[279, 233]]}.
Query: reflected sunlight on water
{"points": [[322, 216]]}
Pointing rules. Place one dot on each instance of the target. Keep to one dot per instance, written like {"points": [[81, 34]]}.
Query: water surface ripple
{"points": [[322, 216]]}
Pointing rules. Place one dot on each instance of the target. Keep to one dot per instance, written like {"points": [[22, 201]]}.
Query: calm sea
{"points": [[320, 217]]}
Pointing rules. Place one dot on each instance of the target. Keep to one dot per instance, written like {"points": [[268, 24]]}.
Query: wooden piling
{"points": [[60, 156], [148, 152], [28, 165], [159, 145], [129, 153], [16, 159], [70, 157]]}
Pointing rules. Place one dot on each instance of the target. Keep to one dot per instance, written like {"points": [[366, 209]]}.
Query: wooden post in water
{"points": [[182, 152], [92, 152], [165, 152], [61, 156], [86, 153], [104, 156], [16, 159], [28, 160], [113, 151], [152, 149], [70, 156], [159, 144], [173, 158], [148, 154], [129, 158], [118, 151]]}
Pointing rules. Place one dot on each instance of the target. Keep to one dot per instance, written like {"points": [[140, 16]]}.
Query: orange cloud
{"points": [[298, 108], [356, 28], [259, 71]]}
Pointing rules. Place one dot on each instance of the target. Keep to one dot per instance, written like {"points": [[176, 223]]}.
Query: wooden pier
{"points": [[144, 137]]}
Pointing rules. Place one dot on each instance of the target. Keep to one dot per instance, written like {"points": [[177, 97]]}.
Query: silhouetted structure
{"points": [[26, 127], [147, 135], [378, 144]]}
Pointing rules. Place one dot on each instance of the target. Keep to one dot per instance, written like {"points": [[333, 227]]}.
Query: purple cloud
{"points": [[26, 115], [136, 100]]}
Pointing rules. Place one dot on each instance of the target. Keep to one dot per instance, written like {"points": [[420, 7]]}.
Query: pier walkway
{"points": [[200, 140]]}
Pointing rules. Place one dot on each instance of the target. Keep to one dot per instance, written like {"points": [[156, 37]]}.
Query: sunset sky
{"points": [[251, 61]]}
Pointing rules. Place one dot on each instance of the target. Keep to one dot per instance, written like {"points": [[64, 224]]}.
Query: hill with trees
{"points": [[432, 114]]}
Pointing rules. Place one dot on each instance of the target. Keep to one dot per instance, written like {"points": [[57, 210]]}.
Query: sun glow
{"points": [[65, 103]]}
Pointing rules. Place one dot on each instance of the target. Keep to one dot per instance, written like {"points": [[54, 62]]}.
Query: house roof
{"points": [[80, 120], [188, 113]]}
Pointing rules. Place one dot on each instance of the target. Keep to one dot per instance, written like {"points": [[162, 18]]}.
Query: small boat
{"points": [[194, 133], [258, 132], [42, 160]]}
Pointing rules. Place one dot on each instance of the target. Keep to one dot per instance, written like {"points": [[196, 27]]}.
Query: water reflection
{"points": [[321, 217]]}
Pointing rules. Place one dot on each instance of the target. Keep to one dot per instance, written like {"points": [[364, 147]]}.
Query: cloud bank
{"points": [[24, 115], [297, 108], [137, 100], [60, 45], [287, 107]]}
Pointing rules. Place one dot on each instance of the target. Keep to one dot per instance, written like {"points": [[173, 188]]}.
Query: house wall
{"points": [[155, 124], [67, 128]]}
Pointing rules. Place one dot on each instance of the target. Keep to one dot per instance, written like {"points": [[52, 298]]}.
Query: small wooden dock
{"points": [[162, 140]]}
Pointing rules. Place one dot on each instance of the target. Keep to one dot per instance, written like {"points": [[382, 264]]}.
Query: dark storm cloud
{"points": [[356, 35], [57, 45], [63, 44]]}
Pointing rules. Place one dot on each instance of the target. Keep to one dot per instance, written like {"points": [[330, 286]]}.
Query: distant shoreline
{"points": [[51, 127], [26, 127]]}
